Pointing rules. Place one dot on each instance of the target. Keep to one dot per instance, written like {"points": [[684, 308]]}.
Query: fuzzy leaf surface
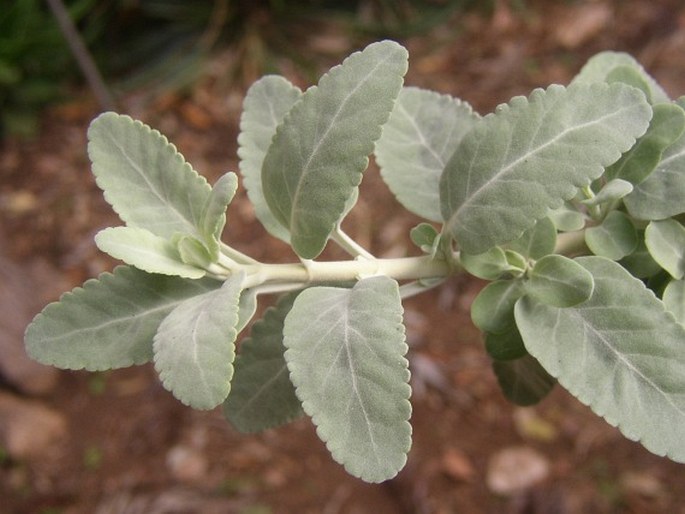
{"points": [[620, 352], [420, 136], [145, 179], [531, 155], [493, 309], [262, 395], [615, 238], [662, 194], [666, 127], [319, 152], [537, 241], [146, 251], [194, 346], [267, 102], [345, 352], [665, 241], [214, 213], [674, 299], [599, 68], [523, 381], [111, 321], [559, 281]]}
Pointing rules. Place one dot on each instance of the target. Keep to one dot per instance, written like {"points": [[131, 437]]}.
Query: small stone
{"points": [[186, 464], [456, 465], [516, 469], [27, 428]]}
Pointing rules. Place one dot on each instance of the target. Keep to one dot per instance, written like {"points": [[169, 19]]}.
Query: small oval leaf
{"points": [[559, 281], [523, 381], [537, 241], [614, 238], [505, 346], [674, 299], [665, 241], [493, 309], [488, 265]]}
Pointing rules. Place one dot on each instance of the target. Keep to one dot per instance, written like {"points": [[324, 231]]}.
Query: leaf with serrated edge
{"points": [[194, 346], [110, 322], [262, 395], [214, 212], [537, 241], [599, 67], [665, 241], [531, 155], [559, 281], [620, 352], [319, 152], [674, 299], [345, 353], [193, 251], [247, 306], [267, 102], [420, 136], [614, 238], [146, 251], [636, 164], [662, 194], [144, 178]]}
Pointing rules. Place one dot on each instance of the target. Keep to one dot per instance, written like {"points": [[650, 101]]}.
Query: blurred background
{"points": [[117, 442]]}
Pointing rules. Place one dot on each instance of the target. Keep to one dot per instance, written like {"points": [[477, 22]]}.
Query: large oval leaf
{"points": [[262, 395], [345, 353], [194, 346], [319, 152], [531, 155], [144, 177], [620, 352], [267, 102], [110, 322], [665, 241], [421, 134]]}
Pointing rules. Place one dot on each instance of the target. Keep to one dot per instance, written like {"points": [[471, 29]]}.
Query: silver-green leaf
{"points": [[146, 251], [493, 309], [614, 238], [262, 395], [531, 155], [423, 131], [620, 352], [345, 352], [214, 213], [144, 177], [559, 281], [110, 322], [194, 346], [537, 241], [267, 102], [665, 241], [319, 152], [674, 299]]}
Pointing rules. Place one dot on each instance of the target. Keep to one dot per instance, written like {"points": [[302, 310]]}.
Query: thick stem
{"points": [[312, 272]]}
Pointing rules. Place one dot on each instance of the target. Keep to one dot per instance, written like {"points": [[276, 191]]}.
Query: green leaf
{"points": [[665, 241], [193, 251], [319, 152], [267, 102], [423, 235], [537, 241], [505, 346], [110, 322], [194, 346], [214, 213], [611, 192], [493, 309], [566, 218], [559, 281], [614, 238], [531, 155], [262, 395], [345, 353], [620, 352], [600, 67], [640, 263], [247, 306], [667, 125], [489, 265], [144, 178], [421, 134], [523, 381], [146, 251], [674, 299], [630, 76], [662, 194]]}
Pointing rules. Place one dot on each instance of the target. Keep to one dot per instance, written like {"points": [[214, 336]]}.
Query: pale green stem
{"points": [[349, 245], [236, 256]]}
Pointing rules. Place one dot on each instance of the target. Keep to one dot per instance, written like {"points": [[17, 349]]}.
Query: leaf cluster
{"points": [[569, 202]]}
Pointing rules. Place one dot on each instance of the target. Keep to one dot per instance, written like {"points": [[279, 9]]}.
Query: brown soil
{"points": [[132, 448]]}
